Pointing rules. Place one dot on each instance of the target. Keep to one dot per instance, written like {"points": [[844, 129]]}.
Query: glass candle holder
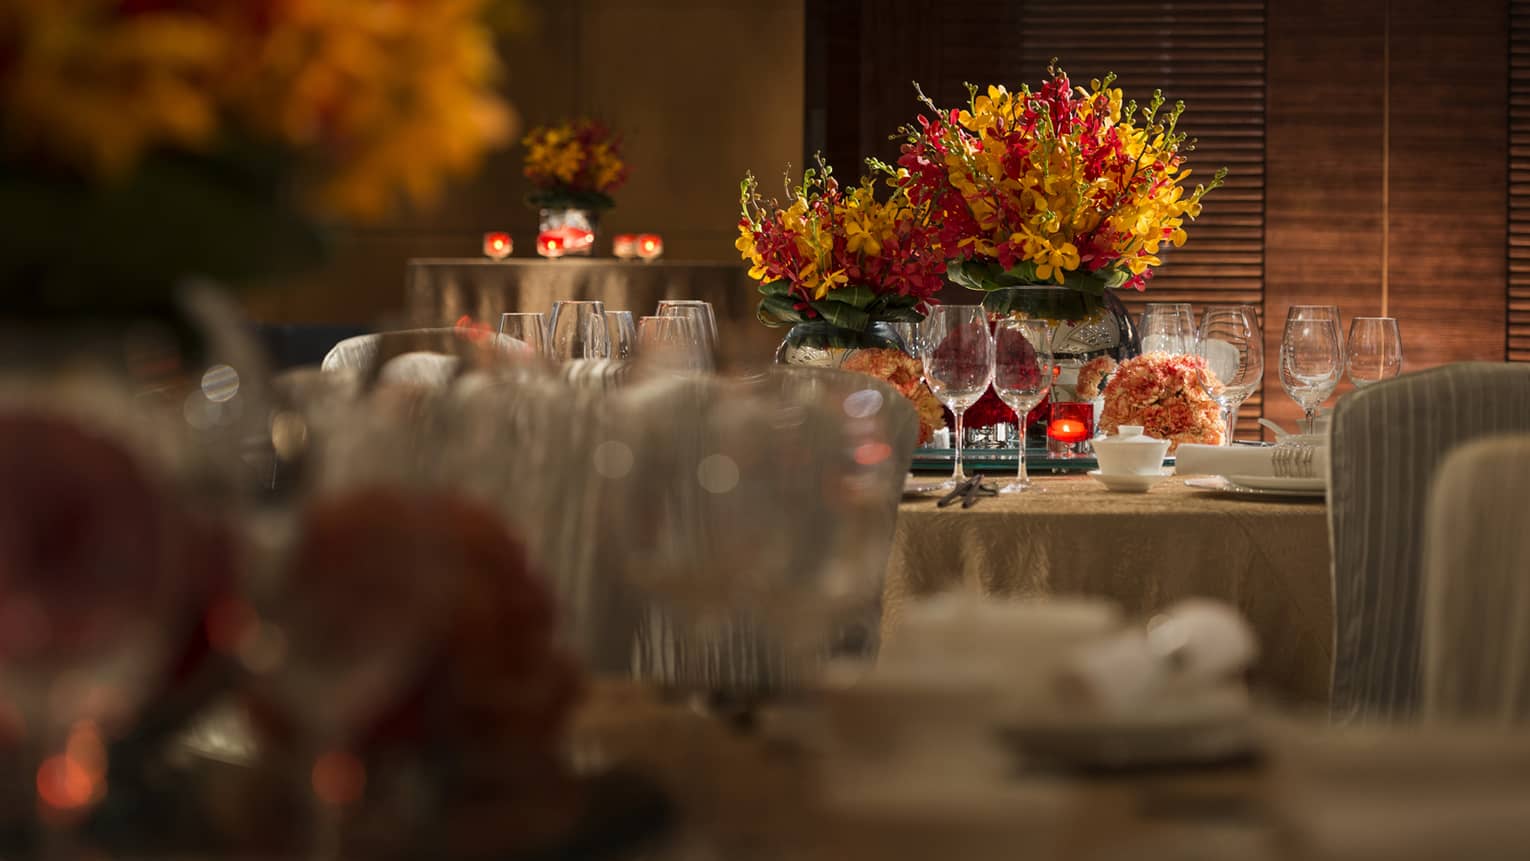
{"points": [[1069, 428], [497, 245]]}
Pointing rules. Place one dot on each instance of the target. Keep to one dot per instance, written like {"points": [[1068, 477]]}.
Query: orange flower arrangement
{"points": [[1170, 396]]}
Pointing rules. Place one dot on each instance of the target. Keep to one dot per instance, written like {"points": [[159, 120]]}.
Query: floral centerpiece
{"points": [[904, 373], [1062, 186], [149, 140], [1170, 396], [839, 262], [574, 165]]}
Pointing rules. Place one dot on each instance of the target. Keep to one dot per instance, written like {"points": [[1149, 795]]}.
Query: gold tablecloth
{"points": [[1267, 557]]}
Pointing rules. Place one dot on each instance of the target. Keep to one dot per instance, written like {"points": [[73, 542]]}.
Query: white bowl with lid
{"points": [[1130, 452]]}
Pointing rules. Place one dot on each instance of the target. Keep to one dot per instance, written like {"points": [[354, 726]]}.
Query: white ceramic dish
{"points": [[1221, 485], [1266, 482], [1129, 451], [1129, 482]]}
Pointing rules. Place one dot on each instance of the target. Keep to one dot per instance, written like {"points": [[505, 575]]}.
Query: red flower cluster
{"points": [[1169, 396]]}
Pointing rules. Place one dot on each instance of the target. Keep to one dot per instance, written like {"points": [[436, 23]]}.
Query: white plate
{"points": [[1265, 482], [1127, 482], [1202, 727], [1222, 485], [922, 485]]}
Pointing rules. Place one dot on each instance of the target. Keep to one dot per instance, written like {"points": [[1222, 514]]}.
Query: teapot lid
{"points": [[1133, 434]]}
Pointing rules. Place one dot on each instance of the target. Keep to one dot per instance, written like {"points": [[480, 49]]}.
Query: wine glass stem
{"points": [[1020, 476], [957, 474]]}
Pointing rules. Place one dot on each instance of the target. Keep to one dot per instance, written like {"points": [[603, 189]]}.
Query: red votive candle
{"points": [[650, 246], [497, 245], [625, 245], [1071, 422], [549, 244]]}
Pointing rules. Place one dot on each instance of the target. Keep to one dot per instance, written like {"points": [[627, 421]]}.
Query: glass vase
{"points": [[819, 343], [566, 232]]}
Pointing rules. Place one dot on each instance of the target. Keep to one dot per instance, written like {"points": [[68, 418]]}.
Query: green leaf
{"points": [[901, 314], [854, 295], [842, 315], [1044, 303], [778, 287], [778, 311]]}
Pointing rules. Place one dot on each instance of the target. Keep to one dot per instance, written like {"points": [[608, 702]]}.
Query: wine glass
{"points": [[958, 364], [671, 342], [579, 330], [1311, 357], [1375, 350], [1168, 327], [908, 333], [700, 313], [1022, 375], [622, 332], [528, 328], [1233, 346]]}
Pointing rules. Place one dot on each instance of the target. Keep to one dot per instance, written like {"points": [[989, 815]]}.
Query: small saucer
{"points": [[1128, 482]]}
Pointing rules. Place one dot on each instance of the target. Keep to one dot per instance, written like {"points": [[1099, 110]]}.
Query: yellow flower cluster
{"points": [[576, 157], [375, 98]]}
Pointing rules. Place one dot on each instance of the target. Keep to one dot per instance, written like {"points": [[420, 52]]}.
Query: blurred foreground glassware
{"points": [[530, 328], [1022, 376], [801, 467], [701, 314], [1374, 350], [1311, 357], [578, 330], [1233, 346], [1168, 327], [622, 332], [958, 364]]}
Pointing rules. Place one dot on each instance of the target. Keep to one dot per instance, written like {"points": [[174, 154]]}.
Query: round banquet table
{"points": [[1269, 557]]}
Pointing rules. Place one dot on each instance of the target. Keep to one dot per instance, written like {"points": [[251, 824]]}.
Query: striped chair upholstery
{"points": [[1387, 441], [1477, 584]]}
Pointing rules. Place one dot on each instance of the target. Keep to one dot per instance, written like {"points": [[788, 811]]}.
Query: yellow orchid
{"points": [[1055, 261]]}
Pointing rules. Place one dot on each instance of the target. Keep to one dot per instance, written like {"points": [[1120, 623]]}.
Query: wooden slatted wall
{"points": [[1519, 182], [1211, 55]]}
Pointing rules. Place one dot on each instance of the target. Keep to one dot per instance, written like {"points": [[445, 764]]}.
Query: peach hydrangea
{"points": [[1170, 396]]}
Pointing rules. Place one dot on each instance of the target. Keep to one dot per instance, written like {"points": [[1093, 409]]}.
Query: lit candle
{"points": [[624, 245], [650, 246], [550, 244], [1068, 430], [497, 245]]}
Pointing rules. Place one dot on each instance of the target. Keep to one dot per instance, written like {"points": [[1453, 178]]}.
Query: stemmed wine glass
{"points": [[579, 330], [1022, 375], [1233, 346], [958, 364], [1375, 350], [1311, 357], [1168, 327], [622, 332], [701, 316], [528, 328], [671, 342]]}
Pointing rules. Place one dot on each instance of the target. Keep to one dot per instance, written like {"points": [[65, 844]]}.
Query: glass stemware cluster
{"points": [[682, 332]]}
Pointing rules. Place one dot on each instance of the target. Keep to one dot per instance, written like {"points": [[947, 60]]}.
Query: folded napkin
{"points": [[420, 369], [1192, 459]]}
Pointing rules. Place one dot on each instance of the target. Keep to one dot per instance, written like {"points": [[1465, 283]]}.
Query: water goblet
{"points": [[701, 315], [579, 330], [1374, 350], [622, 332], [1168, 327], [671, 342], [1311, 357], [1233, 346], [528, 328], [958, 364], [1022, 376]]}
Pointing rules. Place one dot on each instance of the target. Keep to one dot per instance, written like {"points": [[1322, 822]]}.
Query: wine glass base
{"points": [[1026, 486]]}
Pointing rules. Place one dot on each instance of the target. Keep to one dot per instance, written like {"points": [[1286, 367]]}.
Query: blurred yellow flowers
{"points": [[375, 101]]}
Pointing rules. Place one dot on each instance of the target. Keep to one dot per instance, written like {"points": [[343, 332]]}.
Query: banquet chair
{"points": [[1386, 442], [1477, 584], [362, 352], [757, 518]]}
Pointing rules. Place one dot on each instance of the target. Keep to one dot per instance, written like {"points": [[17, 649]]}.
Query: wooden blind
{"points": [[1210, 55], [1519, 182]]}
